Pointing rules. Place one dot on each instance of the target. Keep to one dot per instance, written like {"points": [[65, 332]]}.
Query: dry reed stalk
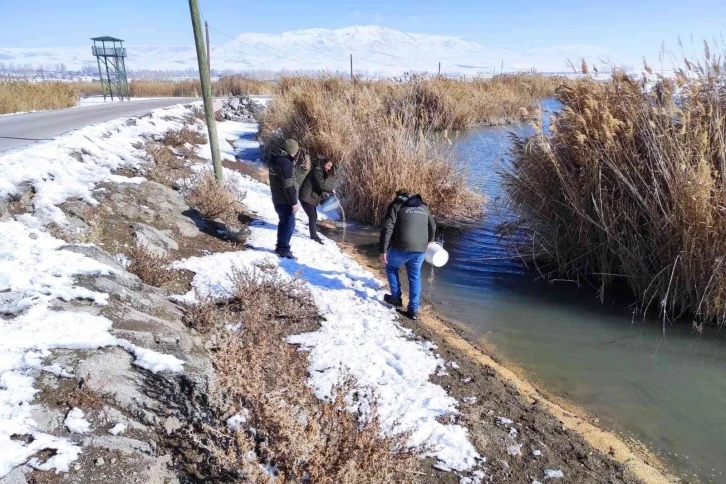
{"points": [[629, 188], [20, 96], [381, 145]]}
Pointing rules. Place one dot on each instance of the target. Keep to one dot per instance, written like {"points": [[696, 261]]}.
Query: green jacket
{"points": [[317, 184], [408, 225]]}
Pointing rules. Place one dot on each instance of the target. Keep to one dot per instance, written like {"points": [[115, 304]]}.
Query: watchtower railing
{"points": [[109, 51]]}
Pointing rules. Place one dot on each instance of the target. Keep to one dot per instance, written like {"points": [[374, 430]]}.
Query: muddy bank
{"points": [[566, 438]]}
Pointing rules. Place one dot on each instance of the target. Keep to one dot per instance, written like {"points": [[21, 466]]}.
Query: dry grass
{"points": [[301, 437], [380, 150], [18, 96], [226, 86], [151, 268], [630, 187], [168, 168], [210, 199]]}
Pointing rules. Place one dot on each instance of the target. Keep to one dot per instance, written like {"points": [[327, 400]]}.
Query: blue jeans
{"points": [[413, 262], [286, 227]]}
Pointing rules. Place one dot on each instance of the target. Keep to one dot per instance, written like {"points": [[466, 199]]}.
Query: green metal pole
{"points": [[108, 74], [100, 73], [206, 89]]}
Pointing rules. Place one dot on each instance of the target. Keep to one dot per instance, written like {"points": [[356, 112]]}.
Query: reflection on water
{"points": [[667, 390]]}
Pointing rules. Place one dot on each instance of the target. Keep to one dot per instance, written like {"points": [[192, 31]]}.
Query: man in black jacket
{"points": [[284, 194], [408, 228]]}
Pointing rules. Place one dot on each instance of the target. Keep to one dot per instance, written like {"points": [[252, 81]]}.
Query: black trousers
{"points": [[313, 216]]}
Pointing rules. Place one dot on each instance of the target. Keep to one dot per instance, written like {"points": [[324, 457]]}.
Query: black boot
{"points": [[285, 254], [409, 314], [317, 239], [393, 301]]}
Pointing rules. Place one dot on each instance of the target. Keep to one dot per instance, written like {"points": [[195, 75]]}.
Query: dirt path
{"points": [[566, 439]]}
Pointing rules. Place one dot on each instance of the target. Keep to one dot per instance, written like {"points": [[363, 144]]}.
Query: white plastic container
{"points": [[436, 255], [330, 204]]}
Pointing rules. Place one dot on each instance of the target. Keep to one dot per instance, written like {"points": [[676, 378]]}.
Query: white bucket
{"points": [[330, 204], [436, 255]]}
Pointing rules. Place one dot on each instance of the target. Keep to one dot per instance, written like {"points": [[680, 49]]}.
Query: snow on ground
{"points": [[360, 336], [36, 272], [76, 422]]}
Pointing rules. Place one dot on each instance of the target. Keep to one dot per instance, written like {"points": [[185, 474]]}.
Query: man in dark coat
{"points": [[318, 185], [407, 229], [284, 194]]}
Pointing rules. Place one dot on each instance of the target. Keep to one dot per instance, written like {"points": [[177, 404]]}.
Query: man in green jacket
{"points": [[407, 229], [318, 185], [284, 189]]}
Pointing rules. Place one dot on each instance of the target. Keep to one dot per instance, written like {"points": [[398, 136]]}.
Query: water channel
{"points": [[662, 385]]}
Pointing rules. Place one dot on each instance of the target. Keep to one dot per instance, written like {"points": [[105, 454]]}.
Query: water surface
{"points": [[660, 384]]}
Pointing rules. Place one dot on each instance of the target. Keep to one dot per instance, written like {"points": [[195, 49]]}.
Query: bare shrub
{"points": [[168, 168], [202, 316], [258, 374], [178, 138], [211, 200], [629, 188], [151, 268]]}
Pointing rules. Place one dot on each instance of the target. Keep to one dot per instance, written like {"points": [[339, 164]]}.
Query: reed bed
{"points": [[20, 96], [226, 86], [630, 187], [381, 146]]}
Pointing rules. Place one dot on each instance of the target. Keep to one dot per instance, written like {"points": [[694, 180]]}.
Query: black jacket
{"points": [[282, 179], [407, 226], [317, 184]]}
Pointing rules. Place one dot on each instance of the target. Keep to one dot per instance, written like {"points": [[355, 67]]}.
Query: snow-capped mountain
{"points": [[375, 50]]}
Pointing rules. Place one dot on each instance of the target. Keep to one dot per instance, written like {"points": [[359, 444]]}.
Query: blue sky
{"points": [[627, 27]]}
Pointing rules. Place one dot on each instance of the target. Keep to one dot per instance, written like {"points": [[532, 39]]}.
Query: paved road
{"points": [[22, 129]]}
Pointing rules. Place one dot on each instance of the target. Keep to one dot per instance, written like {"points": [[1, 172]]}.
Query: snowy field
{"points": [[360, 336]]}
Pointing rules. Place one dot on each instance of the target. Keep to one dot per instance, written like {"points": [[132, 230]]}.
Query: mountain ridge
{"points": [[376, 50]]}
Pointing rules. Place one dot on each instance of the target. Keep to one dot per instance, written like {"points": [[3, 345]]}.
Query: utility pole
{"points": [[209, 49], [206, 89], [439, 68], [501, 69], [351, 67]]}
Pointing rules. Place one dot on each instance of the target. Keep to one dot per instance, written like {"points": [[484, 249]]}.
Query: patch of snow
{"points": [[536, 452], [76, 422], [453, 365], [118, 429], [553, 474], [466, 380], [234, 423], [514, 450], [504, 421], [359, 336], [152, 360], [469, 400], [513, 432]]}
